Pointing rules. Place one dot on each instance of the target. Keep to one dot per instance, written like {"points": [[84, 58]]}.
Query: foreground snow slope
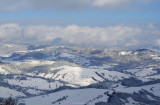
{"points": [[69, 97], [6, 92]]}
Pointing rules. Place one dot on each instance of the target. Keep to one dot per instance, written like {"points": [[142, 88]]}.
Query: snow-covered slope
{"points": [[69, 97], [6, 92], [47, 75]]}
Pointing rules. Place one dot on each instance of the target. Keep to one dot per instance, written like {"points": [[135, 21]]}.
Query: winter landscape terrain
{"points": [[49, 75]]}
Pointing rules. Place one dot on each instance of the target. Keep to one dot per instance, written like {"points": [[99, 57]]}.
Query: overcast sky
{"points": [[99, 23]]}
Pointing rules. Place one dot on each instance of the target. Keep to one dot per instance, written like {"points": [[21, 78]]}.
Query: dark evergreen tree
{"points": [[10, 101]]}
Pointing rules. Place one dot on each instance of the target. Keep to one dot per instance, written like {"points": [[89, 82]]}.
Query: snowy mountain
{"points": [[49, 75]]}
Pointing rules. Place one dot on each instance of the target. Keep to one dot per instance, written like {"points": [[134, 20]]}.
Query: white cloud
{"points": [[65, 4], [113, 36], [9, 32], [110, 3]]}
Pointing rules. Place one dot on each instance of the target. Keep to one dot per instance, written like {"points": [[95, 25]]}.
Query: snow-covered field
{"points": [[154, 89], [72, 97], [6, 92], [36, 83]]}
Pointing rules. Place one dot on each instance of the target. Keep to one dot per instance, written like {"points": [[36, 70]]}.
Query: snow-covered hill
{"points": [[47, 75]]}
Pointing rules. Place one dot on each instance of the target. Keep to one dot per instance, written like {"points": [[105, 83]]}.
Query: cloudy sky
{"points": [[93, 23]]}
